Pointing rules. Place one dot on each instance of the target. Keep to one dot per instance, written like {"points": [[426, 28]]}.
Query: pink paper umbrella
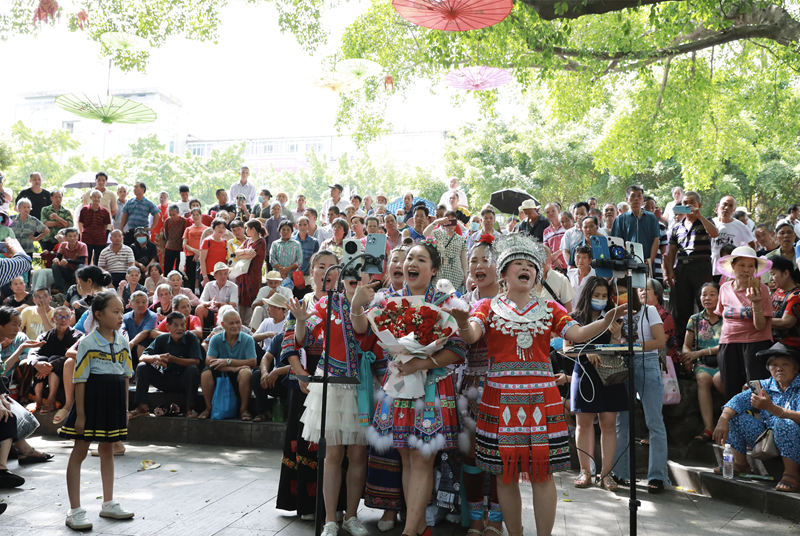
{"points": [[478, 78], [453, 15]]}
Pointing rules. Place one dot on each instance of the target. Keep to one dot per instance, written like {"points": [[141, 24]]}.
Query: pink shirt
{"points": [[735, 309], [552, 239]]}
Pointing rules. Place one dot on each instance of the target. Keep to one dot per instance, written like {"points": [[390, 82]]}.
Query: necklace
{"points": [[522, 324]]}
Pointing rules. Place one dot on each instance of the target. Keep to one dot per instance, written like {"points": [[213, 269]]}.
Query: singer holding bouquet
{"points": [[417, 426], [521, 426]]}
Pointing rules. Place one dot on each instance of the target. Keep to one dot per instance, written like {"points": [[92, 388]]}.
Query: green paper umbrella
{"points": [[112, 110], [124, 41], [359, 68]]}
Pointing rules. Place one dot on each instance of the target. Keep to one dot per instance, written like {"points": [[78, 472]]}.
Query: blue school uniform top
{"points": [[99, 356]]}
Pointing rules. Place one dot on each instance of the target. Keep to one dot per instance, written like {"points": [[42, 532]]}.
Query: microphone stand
{"points": [[630, 266], [319, 511]]}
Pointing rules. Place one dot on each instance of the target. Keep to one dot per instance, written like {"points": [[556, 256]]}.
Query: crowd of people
{"points": [[181, 297]]}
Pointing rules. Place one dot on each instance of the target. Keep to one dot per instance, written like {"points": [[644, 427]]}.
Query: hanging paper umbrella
{"points": [[478, 78], [453, 15], [112, 110], [45, 11], [124, 41], [335, 82], [358, 68]]}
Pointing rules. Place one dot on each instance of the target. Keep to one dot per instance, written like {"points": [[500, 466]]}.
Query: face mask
{"points": [[474, 226], [599, 305], [260, 198], [141, 239]]}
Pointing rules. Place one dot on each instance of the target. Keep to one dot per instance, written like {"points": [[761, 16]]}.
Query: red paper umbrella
{"points": [[478, 78], [453, 15]]}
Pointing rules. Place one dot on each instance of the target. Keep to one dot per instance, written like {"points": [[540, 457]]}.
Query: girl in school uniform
{"points": [[103, 368]]}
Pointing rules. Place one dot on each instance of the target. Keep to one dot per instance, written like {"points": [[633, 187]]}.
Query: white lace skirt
{"points": [[341, 425]]}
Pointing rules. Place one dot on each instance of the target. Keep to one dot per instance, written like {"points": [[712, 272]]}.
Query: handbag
{"points": [[240, 267], [669, 379], [298, 279], [765, 447], [612, 369], [26, 422], [223, 403]]}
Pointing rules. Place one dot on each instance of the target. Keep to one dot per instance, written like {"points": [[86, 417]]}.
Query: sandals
{"points": [[706, 436], [655, 486], [138, 412], [204, 414], [584, 480], [260, 418], [47, 408], [246, 416], [607, 482], [34, 457], [489, 530], [60, 415], [788, 484]]}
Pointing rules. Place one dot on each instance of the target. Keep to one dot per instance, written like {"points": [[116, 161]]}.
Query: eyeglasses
{"points": [[61, 317]]}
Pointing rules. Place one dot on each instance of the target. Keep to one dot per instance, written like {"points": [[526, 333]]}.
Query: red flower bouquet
{"points": [[408, 328]]}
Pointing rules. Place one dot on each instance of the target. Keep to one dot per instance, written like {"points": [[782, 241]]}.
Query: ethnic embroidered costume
{"points": [[521, 425]]}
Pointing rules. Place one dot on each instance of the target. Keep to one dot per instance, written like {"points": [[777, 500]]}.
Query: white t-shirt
{"points": [[269, 325], [183, 207], [560, 285], [577, 286], [227, 294], [643, 331], [734, 232]]}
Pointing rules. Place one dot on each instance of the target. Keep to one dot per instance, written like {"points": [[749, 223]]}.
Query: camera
{"points": [[352, 263]]}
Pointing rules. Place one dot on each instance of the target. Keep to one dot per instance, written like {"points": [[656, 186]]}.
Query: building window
{"points": [[292, 147], [69, 126]]}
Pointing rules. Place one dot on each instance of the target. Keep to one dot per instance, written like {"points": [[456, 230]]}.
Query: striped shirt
{"points": [[116, 263], [139, 212], [552, 239], [14, 267], [285, 253], [693, 241], [99, 356]]}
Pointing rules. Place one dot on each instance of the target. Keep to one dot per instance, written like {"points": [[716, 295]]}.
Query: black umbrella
{"points": [[508, 200]]}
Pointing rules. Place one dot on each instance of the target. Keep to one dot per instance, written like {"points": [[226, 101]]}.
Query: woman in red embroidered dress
{"points": [[521, 426]]}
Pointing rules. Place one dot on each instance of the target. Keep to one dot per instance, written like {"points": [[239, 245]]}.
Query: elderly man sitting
{"points": [[232, 353], [217, 293], [172, 363], [777, 401], [273, 285]]}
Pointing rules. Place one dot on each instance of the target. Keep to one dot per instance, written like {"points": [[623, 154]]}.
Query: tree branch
{"points": [[572, 9]]}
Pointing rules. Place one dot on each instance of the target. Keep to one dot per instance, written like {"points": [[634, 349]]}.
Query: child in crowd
{"points": [[102, 371], [38, 318]]}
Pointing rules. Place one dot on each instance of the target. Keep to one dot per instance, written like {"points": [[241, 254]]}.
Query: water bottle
{"points": [[727, 462]]}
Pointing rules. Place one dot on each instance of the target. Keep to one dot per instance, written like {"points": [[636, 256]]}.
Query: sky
{"points": [[255, 82]]}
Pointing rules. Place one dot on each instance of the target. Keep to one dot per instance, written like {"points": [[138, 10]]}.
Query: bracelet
{"points": [[357, 315]]}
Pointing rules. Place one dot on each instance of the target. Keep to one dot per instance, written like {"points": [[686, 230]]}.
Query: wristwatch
{"points": [[228, 361]]}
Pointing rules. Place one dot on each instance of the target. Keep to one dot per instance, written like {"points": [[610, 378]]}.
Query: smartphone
{"points": [[600, 251], [755, 386], [3, 247], [682, 209]]}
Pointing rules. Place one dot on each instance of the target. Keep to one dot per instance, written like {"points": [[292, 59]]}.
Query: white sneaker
{"points": [[77, 520], [113, 510], [331, 528], [355, 527]]}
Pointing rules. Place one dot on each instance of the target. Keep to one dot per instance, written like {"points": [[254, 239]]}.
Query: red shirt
{"points": [[158, 221], [217, 252], [192, 236], [94, 225]]}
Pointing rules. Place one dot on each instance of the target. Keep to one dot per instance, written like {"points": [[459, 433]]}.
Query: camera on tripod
{"points": [[357, 259]]}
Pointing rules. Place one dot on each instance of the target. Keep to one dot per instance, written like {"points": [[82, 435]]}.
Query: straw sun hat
{"points": [[725, 264]]}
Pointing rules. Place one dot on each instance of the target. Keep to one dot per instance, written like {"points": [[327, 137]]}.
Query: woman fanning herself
{"points": [[483, 270], [520, 394], [396, 423], [700, 347], [344, 414], [589, 398], [745, 306]]}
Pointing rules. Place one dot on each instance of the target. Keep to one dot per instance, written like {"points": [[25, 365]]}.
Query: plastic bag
{"points": [[672, 391], [223, 403]]}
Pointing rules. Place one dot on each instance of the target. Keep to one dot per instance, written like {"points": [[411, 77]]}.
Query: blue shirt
{"points": [[132, 329], [309, 246], [245, 347], [6, 352], [788, 399], [99, 356], [643, 229], [138, 212]]}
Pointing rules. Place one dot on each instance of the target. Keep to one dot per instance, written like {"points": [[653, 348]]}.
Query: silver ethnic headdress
{"points": [[520, 246]]}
